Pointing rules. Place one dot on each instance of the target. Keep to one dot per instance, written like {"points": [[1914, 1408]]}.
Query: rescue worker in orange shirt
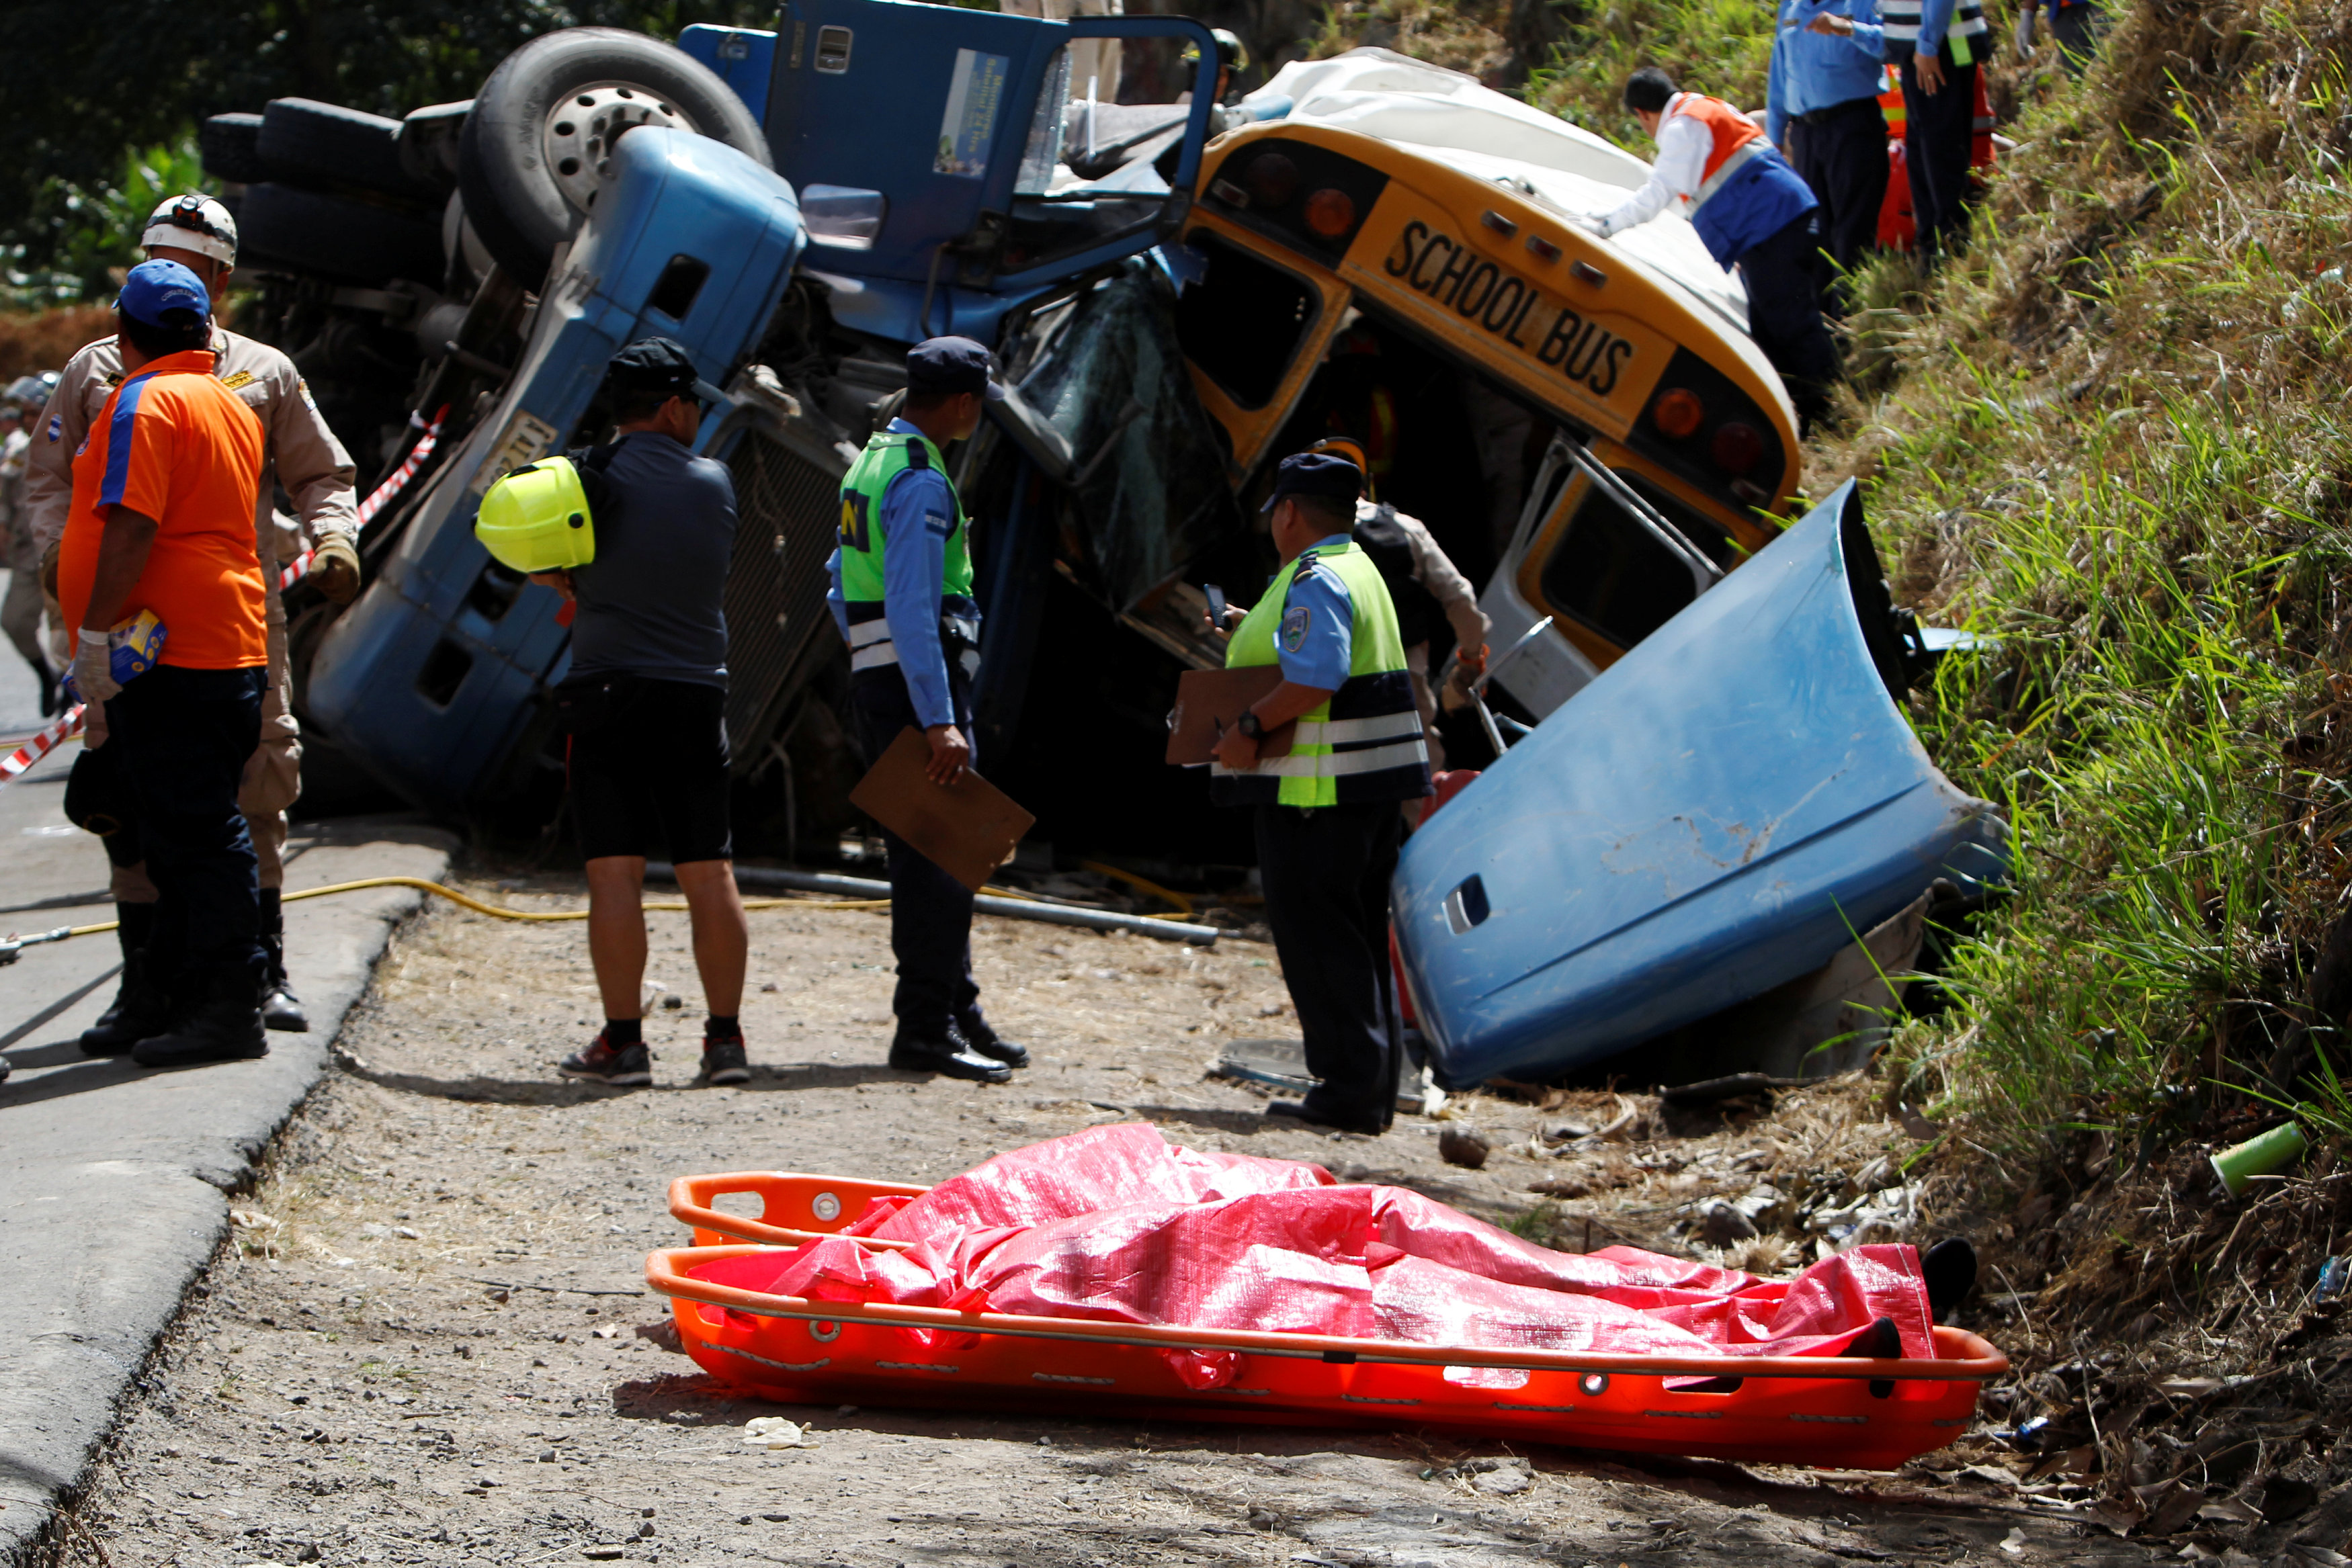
{"points": [[1753, 213], [163, 495], [304, 457]]}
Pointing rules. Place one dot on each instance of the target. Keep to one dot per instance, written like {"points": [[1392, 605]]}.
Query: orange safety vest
{"points": [[1736, 137]]}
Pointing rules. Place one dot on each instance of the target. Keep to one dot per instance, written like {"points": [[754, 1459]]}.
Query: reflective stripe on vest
{"points": [[1364, 742], [1734, 135], [1901, 18], [888, 454]]}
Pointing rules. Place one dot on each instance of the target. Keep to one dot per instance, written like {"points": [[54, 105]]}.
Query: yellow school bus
{"points": [[1658, 443]]}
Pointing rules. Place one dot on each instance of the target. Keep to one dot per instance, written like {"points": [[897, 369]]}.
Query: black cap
{"points": [[947, 365], [653, 364], [1324, 474]]}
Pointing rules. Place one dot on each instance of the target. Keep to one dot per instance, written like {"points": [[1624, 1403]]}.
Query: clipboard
{"points": [[967, 829], [1207, 704]]}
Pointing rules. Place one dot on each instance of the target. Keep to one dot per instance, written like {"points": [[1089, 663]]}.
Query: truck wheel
{"points": [[229, 145], [542, 131], [312, 144], [287, 229]]}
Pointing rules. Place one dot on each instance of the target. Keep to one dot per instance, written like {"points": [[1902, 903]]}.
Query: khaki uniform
{"points": [[20, 610], [304, 457]]}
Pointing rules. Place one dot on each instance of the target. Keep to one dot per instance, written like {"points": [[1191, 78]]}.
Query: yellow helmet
{"points": [[536, 518]]}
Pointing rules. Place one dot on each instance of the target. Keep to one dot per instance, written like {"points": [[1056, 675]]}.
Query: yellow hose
{"points": [[476, 905], [1183, 904]]}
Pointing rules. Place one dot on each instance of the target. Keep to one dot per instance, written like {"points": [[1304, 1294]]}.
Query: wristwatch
{"points": [[1248, 725]]}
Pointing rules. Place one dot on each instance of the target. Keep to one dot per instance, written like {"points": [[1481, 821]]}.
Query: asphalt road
{"points": [[114, 1181]]}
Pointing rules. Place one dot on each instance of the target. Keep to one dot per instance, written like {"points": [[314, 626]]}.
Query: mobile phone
{"points": [[1216, 605]]}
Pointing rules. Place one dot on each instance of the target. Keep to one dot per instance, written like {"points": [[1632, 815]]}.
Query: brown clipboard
{"points": [[968, 827], [1207, 704]]}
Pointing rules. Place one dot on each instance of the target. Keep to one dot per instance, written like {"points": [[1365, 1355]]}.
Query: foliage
{"points": [[96, 235], [84, 82], [2116, 442], [1721, 47]]}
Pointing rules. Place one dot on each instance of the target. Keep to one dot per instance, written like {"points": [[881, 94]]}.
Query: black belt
{"points": [[1818, 117]]}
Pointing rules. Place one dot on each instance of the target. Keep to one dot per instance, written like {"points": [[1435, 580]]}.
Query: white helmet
{"points": [[193, 223]]}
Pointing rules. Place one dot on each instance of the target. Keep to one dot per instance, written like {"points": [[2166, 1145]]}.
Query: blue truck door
{"points": [[920, 126]]}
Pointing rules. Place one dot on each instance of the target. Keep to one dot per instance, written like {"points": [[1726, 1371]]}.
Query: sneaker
{"points": [[948, 1057], [982, 1040], [629, 1067], [724, 1061]]}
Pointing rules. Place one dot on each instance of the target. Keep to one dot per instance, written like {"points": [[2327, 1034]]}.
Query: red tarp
{"points": [[1115, 1225]]}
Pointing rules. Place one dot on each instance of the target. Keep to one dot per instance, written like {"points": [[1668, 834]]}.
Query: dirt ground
{"points": [[431, 1345]]}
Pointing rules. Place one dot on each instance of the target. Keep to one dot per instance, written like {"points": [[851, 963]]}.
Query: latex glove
{"points": [[335, 567], [93, 668], [1591, 225]]}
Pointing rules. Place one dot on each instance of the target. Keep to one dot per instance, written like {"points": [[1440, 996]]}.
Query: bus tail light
{"points": [[1330, 212], [1736, 448], [1677, 412], [1271, 180]]}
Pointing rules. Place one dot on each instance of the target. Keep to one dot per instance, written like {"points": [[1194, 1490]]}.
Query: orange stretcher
{"points": [[1844, 1414]]}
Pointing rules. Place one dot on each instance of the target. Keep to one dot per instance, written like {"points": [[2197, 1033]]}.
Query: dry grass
{"points": [[44, 340]]}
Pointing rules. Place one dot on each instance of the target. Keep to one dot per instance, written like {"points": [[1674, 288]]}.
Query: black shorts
{"points": [[654, 772]]}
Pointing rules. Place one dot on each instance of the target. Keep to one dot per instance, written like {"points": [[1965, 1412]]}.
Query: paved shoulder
{"points": [[114, 1182]]}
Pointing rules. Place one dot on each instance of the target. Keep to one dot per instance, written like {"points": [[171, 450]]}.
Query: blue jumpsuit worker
{"points": [[1822, 109], [1937, 43], [1750, 208], [649, 660], [902, 599], [1328, 823]]}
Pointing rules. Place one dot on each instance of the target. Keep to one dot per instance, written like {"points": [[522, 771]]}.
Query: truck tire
{"points": [[287, 229], [230, 146], [314, 144], [528, 173]]}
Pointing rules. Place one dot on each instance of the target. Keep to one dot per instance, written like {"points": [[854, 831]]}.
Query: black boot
{"points": [[986, 1041], [225, 1026], [280, 1008], [947, 1056], [48, 678], [141, 1006]]}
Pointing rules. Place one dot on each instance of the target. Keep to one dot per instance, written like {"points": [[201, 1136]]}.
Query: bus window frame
{"points": [[1746, 535], [1251, 430]]}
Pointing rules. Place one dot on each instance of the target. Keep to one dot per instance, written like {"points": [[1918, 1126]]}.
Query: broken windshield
{"points": [[1149, 473]]}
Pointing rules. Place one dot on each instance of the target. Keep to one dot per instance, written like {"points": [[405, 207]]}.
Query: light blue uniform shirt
{"points": [[919, 513], [1811, 71], [1315, 639]]}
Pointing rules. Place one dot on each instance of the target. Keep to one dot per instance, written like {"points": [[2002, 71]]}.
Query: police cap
{"points": [[1324, 474], [940, 367], [654, 365]]}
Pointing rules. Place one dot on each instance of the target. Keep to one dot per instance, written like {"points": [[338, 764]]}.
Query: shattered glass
{"points": [[1150, 476]]}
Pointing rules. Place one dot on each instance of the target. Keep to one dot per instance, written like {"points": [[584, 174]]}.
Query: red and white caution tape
{"points": [[383, 497], [41, 745], [70, 724]]}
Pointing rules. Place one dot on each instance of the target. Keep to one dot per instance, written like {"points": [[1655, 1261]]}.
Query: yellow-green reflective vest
{"points": [[889, 454], [1363, 743]]}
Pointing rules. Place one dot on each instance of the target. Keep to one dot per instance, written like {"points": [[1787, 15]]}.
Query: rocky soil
{"points": [[430, 1342]]}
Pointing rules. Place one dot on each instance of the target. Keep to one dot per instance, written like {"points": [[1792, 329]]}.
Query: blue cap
{"points": [[1324, 474], [939, 365], [154, 288]]}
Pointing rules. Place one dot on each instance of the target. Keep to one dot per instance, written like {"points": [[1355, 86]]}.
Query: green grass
{"points": [[2118, 439]]}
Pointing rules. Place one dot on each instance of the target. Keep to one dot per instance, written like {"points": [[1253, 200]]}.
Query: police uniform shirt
{"points": [[1315, 640], [919, 513], [1812, 71]]}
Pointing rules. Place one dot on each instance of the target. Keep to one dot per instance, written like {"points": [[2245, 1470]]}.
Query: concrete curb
{"points": [[115, 1183]]}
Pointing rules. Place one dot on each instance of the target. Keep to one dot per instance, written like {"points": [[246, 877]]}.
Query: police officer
{"points": [[20, 610], [1753, 211], [1822, 109], [1327, 824], [902, 599], [1937, 44], [307, 460]]}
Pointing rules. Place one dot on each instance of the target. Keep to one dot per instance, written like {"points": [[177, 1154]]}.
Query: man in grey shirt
{"points": [[644, 705]]}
